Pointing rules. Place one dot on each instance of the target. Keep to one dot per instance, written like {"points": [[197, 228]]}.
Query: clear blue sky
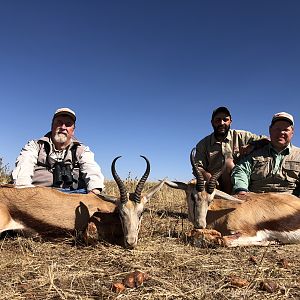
{"points": [[144, 76]]}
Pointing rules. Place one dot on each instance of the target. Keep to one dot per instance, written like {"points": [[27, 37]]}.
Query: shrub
{"points": [[4, 171]]}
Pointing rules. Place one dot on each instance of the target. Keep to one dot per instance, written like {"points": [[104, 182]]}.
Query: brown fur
{"points": [[271, 211], [50, 212]]}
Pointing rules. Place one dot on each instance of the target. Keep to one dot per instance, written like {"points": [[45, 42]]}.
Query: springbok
{"points": [[51, 213], [255, 220]]}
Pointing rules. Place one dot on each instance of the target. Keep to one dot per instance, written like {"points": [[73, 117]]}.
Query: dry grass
{"points": [[32, 269]]}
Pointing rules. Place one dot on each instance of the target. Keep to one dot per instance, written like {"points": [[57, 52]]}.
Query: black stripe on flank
{"points": [[40, 226], [287, 223]]}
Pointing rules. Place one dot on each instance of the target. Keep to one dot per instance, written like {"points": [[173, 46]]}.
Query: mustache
{"points": [[61, 131]]}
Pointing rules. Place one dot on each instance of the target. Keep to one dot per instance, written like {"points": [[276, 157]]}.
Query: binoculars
{"points": [[62, 174]]}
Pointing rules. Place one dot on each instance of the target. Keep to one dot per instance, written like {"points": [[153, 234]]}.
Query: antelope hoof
{"points": [[90, 235], [205, 238]]}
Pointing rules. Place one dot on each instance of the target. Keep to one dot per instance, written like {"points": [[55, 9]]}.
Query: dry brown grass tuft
{"points": [[32, 269]]}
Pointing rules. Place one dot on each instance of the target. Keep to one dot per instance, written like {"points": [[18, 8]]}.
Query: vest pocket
{"points": [[261, 169], [292, 170]]}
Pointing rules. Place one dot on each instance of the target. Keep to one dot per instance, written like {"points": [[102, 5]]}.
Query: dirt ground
{"points": [[35, 269]]}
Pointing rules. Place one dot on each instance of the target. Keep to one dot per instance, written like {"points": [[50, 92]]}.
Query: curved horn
{"points": [[121, 185], [213, 181], [197, 172], [140, 185]]}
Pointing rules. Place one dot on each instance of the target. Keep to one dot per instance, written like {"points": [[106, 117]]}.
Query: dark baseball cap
{"points": [[220, 109]]}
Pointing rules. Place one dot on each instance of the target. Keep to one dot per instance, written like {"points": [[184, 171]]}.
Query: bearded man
{"points": [[223, 148], [59, 160]]}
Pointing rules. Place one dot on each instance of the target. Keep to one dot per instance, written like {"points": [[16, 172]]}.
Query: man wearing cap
{"points": [[273, 168], [59, 160], [223, 148]]}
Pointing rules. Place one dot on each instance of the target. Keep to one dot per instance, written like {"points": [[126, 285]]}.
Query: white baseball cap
{"points": [[283, 116], [65, 111]]}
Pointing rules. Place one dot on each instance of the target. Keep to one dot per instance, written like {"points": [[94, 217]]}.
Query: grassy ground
{"points": [[34, 269]]}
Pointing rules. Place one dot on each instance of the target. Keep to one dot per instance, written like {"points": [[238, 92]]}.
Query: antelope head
{"points": [[202, 195], [198, 194], [131, 205]]}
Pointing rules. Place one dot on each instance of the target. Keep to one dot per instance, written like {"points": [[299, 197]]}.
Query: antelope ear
{"points": [[223, 195], [153, 190], [177, 185]]}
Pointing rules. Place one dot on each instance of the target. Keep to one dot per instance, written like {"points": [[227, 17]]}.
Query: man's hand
{"points": [[95, 191], [245, 150], [241, 195], [206, 174]]}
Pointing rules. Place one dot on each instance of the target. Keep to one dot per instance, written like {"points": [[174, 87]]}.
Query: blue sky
{"points": [[144, 76]]}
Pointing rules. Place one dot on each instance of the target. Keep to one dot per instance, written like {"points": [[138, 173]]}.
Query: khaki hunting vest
{"points": [[43, 172], [286, 179]]}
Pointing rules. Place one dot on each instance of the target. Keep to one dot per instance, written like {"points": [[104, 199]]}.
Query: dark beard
{"points": [[221, 134]]}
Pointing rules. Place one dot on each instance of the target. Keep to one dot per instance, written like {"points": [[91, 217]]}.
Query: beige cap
{"points": [[65, 111], [283, 116]]}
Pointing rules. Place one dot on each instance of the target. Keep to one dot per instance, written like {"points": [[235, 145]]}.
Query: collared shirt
{"points": [[55, 154], [211, 154], [278, 158], [267, 170]]}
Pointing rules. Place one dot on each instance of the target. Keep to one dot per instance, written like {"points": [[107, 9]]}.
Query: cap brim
{"points": [[282, 119], [66, 114]]}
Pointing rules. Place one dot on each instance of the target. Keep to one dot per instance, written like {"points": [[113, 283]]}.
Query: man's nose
{"points": [[282, 132]]}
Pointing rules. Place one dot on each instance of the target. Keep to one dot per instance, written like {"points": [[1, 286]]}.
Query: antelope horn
{"points": [[121, 185], [140, 185], [197, 172], [213, 181]]}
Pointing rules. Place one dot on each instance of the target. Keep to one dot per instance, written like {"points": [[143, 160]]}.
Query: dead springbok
{"points": [[256, 220], [51, 213]]}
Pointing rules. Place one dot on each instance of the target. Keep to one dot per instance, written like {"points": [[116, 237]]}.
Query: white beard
{"points": [[60, 138]]}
